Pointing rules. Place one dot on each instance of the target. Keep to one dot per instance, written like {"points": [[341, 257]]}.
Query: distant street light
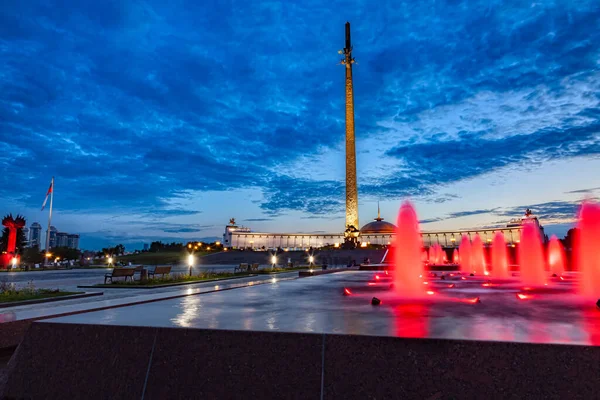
{"points": [[110, 261], [311, 260], [273, 261], [14, 262], [191, 262]]}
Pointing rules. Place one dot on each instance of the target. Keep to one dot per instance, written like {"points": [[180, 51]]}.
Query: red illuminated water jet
{"points": [[455, 257], [477, 256], [531, 256], [465, 254], [436, 255], [407, 256], [587, 240], [556, 256], [499, 257]]}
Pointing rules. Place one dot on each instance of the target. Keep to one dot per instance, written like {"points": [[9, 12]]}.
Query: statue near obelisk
{"points": [[351, 232]]}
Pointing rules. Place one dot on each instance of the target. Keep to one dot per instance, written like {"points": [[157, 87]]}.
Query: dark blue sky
{"points": [[164, 119]]}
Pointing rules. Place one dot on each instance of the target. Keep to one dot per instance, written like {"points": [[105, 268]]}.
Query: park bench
{"points": [[160, 270], [253, 267], [138, 270], [242, 268], [120, 273]]}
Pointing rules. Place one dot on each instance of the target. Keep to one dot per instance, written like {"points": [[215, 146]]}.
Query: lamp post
{"points": [[311, 260], [110, 261], [14, 262], [273, 261], [191, 262]]}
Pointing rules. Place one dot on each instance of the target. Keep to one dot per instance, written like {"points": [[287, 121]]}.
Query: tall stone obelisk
{"points": [[351, 188]]}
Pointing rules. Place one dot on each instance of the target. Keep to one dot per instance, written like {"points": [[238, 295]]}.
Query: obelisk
{"points": [[351, 189]]}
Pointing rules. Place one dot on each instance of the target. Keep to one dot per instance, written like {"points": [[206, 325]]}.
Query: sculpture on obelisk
{"points": [[351, 232]]}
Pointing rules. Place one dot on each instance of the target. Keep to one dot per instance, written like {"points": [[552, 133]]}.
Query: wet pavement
{"points": [[317, 305], [119, 297]]}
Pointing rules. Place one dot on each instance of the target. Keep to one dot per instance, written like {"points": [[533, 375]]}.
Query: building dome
{"points": [[378, 226]]}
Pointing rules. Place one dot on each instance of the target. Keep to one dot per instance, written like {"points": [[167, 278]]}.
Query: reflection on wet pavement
{"points": [[317, 305]]}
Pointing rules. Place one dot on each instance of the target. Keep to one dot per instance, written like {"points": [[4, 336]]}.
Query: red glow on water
{"points": [[347, 292], [451, 285], [562, 279], [377, 277], [522, 296], [463, 278], [531, 256], [386, 272], [487, 284], [472, 301], [425, 283], [411, 320], [371, 283], [429, 292], [451, 274]]}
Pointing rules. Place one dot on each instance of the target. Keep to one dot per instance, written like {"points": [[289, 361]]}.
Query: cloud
{"points": [[583, 190], [132, 104], [258, 219]]}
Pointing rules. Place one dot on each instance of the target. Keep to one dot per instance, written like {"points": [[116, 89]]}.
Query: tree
{"points": [[66, 253], [31, 255]]}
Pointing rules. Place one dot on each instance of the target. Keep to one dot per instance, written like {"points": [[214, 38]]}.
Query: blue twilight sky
{"points": [[163, 119]]}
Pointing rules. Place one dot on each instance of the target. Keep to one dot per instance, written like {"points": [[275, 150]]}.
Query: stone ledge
{"points": [[192, 363]]}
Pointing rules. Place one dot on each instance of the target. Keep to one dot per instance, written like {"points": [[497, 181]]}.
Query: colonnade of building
{"points": [[300, 241]]}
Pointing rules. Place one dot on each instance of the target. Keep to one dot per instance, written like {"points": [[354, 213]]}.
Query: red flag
{"points": [[48, 194]]}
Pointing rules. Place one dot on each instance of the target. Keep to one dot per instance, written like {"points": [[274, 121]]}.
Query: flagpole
{"points": [[49, 221]]}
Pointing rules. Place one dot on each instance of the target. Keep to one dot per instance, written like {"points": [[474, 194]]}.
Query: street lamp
{"points": [[191, 262], [110, 261], [273, 261], [14, 262], [311, 260]]}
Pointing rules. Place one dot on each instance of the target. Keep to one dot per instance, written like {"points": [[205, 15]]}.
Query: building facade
{"points": [[53, 232], [73, 241], [62, 239], [35, 235]]}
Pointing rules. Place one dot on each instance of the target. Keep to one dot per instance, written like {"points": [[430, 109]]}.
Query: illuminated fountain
{"points": [[556, 256], [531, 256], [465, 254], [587, 241], [455, 256], [477, 256], [436, 254], [499, 257], [407, 257]]}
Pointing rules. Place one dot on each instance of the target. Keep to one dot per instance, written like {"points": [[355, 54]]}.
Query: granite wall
{"points": [[94, 361]]}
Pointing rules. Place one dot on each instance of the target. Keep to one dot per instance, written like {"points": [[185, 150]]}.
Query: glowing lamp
{"points": [[429, 292], [347, 292], [48, 255], [311, 259], [375, 301], [363, 244], [189, 245], [273, 260], [191, 260], [377, 277], [110, 260], [14, 262], [522, 296]]}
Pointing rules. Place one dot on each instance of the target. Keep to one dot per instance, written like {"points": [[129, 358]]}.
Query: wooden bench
{"points": [[160, 270], [242, 268], [120, 273], [253, 267], [138, 270]]}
